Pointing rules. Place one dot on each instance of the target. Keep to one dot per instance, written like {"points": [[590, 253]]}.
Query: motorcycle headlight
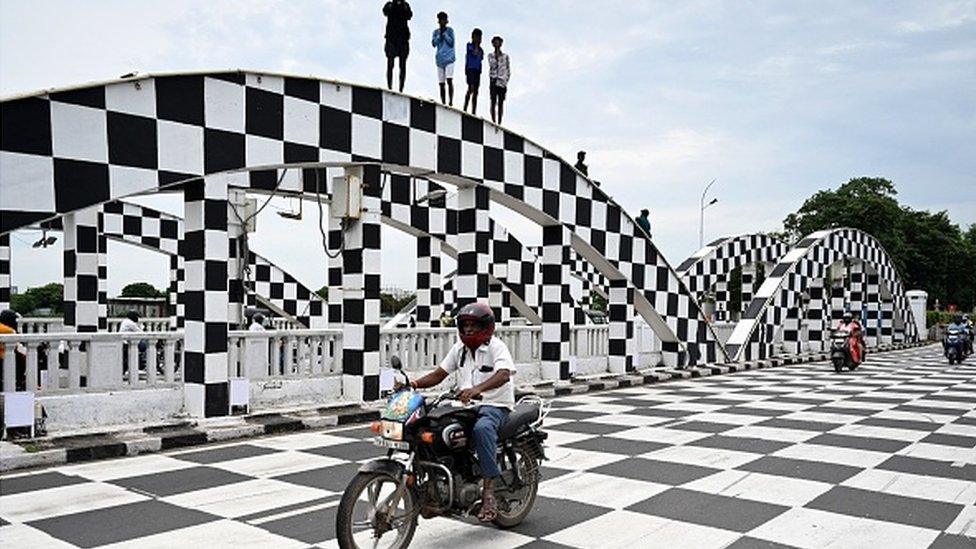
{"points": [[392, 430]]}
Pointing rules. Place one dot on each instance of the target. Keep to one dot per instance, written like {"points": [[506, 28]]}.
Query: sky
{"points": [[772, 100]]}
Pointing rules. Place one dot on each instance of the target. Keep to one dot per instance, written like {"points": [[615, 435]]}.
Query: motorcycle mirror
{"points": [[395, 363]]}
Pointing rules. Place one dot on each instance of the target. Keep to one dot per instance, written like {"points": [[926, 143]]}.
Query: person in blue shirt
{"points": [[443, 42], [472, 70], [958, 323]]}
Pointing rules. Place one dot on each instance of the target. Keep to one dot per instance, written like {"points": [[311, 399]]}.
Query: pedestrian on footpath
{"points": [[472, 70], [397, 14], [580, 157], [644, 222], [257, 323], [499, 72], [443, 42]]}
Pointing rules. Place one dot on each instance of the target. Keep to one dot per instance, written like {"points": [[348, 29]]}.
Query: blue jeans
{"points": [[485, 435]]}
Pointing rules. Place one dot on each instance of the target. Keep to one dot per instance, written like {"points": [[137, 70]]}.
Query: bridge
{"points": [[69, 159]]}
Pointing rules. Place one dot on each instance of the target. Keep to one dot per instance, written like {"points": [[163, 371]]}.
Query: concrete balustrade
{"points": [[48, 325]]}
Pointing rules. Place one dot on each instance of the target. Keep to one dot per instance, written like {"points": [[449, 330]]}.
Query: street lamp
{"points": [[701, 219]]}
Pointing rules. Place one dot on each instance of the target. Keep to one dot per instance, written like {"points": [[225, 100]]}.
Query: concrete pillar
{"points": [[205, 245], [4, 271], [721, 300], [82, 287], [102, 275], [361, 266], [177, 278], [748, 286], [473, 238], [430, 295], [335, 273], [855, 294], [917, 302], [872, 310], [815, 321], [837, 301], [621, 309], [236, 258], [556, 302], [499, 300]]}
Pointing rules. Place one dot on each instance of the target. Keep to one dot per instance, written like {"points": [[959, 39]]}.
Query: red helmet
{"points": [[483, 316]]}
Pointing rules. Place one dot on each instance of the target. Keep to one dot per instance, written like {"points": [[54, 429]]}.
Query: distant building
{"points": [[147, 307], [397, 292]]}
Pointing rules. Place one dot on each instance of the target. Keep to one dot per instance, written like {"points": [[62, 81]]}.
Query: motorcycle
{"points": [[840, 350], [954, 345], [430, 469]]}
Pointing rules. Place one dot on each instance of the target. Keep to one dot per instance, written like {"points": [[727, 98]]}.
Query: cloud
{"points": [[940, 17]]}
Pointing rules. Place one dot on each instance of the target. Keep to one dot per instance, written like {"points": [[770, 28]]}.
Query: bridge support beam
{"points": [[4, 271], [887, 320], [334, 299], [748, 286], [556, 302], [206, 250], [177, 278], [430, 294], [621, 309], [855, 295], [236, 260], [721, 301], [473, 239], [815, 320], [84, 272], [361, 267], [872, 309], [500, 303]]}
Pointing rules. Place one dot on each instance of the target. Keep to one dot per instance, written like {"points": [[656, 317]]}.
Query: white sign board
{"points": [[18, 409]]}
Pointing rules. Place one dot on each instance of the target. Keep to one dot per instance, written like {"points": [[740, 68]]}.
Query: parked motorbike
{"points": [[430, 470], [840, 350], [955, 346]]}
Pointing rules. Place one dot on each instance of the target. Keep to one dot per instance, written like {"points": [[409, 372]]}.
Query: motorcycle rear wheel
{"points": [[528, 470], [838, 365], [356, 515]]}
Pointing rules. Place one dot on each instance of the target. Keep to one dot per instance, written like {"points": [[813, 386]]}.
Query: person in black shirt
{"points": [[580, 157], [397, 14]]}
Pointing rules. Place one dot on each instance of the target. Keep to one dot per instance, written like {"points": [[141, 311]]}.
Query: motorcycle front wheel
{"points": [[520, 503], [838, 364], [364, 517]]}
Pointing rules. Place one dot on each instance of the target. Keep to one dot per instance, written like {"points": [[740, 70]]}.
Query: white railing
{"points": [[284, 354], [51, 325], [67, 362], [282, 323], [64, 362]]}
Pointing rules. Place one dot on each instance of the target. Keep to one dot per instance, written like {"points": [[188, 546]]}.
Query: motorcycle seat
{"points": [[523, 414]]}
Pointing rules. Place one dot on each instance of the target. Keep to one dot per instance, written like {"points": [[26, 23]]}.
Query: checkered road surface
{"points": [[795, 456]]}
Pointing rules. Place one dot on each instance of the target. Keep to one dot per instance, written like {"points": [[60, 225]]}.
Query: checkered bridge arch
{"points": [[64, 150], [809, 260]]}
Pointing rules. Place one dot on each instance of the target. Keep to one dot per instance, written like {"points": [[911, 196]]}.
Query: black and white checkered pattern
{"points": [[66, 150], [473, 241], [792, 456], [557, 303], [709, 268], [430, 295], [811, 259], [361, 294], [4, 271], [206, 249], [84, 289]]}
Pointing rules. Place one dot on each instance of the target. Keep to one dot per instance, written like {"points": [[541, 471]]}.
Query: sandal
{"points": [[489, 508]]}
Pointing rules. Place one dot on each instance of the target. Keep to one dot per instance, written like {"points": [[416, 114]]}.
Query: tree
{"points": [[141, 289], [323, 292], [23, 303], [929, 251], [48, 296]]}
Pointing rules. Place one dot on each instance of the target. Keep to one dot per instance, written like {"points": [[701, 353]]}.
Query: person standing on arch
{"points": [[644, 222], [443, 42], [472, 70], [397, 14], [498, 74]]}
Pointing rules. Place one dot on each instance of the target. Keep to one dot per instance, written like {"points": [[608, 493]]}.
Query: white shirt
{"points": [[255, 327], [498, 68], [127, 325], [487, 359]]}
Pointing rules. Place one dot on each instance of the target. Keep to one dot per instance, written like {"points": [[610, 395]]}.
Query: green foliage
{"points": [[141, 289], [23, 303], [390, 305], [48, 296], [597, 302], [938, 317], [929, 251], [323, 292]]}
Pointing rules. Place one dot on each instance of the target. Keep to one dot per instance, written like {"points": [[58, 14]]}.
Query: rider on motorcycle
{"points": [[485, 368], [858, 344], [960, 323]]}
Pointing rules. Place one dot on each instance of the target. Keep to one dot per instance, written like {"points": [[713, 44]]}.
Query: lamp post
{"points": [[701, 219]]}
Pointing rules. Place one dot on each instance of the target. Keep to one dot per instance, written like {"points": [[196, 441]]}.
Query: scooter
{"points": [[955, 346]]}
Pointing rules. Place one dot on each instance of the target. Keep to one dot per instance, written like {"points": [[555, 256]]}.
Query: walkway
{"points": [[795, 456]]}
